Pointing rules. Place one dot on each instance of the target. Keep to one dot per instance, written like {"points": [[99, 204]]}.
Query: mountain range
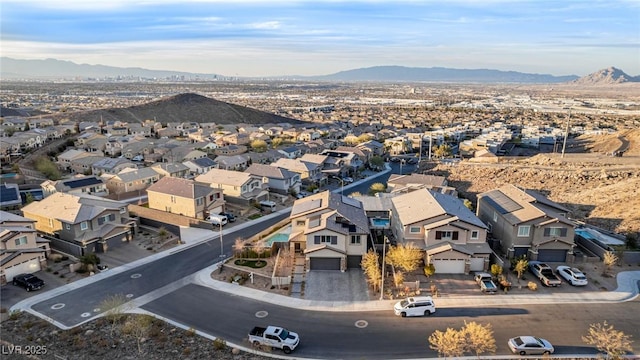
{"points": [[54, 69]]}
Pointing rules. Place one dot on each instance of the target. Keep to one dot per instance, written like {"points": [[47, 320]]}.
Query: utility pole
{"points": [[430, 144], [566, 134]]}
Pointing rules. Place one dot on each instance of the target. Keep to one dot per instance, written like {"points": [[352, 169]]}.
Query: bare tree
{"points": [[371, 266], [113, 308], [238, 246], [139, 327], [609, 259], [608, 340], [521, 267], [478, 338], [449, 343]]}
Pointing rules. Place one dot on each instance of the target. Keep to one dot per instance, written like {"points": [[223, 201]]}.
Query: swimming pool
{"points": [[281, 236], [380, 222]]}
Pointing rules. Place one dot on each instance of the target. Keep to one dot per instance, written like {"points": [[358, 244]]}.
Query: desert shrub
{"points": [[532, 286], [219, 344]]}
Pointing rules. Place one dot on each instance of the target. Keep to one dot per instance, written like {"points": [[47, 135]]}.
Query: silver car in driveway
{"points": [[530, 345], [573, 276]]}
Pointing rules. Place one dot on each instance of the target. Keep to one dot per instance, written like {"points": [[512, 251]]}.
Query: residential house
{"points": [[182, 154], [92, 185], [10, 196], [21, 249], [237, 139], [84, 165], [230, 150], [171, 169], [277, 179], [233, 162], [140, 130], [330, 230], [185, 197], [310, 173], [274, 131], [527, 224], [453, 238], [266, 157], [407, 183], [200, 166], [346, 162], [238, 187], [65, 159], [129, 180], [374, 147], [111, 166], [291, 152], [81, 224], [308, 135]]}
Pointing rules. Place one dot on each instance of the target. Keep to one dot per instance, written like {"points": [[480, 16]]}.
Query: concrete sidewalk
{"points": [[628, 289]]}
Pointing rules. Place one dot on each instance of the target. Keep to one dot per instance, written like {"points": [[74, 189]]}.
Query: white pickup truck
{"points": [[275, 337]]}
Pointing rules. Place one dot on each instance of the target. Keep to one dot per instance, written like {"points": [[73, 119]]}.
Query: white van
{"points": [[217, 220], [268, 205], [415, 306]]}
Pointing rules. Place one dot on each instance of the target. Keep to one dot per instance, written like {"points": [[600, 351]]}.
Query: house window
{"points": [[84, 225], [414, 229], [67, 226], [474, 234], [199, 201], [211, 197], [50, 222], [495, 216], [555, 232], [123, 210], [355, 239], [325, 239], [22, 240], [167, 208], [173, 199], [523, 230], [300, 223], [446, 235]]}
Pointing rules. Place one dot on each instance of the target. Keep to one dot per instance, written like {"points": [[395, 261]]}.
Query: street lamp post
{"points": [[384, 253], [221, 243]]}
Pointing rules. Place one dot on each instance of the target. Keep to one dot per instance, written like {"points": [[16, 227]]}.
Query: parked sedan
{"points": [[573, 276], [526, 345]]}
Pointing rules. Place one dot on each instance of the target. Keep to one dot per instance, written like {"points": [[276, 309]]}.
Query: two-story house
{"points": [[92, 185], [238, 187], [21, 249], [171, 169], [527, 223], [129, 180], [185, 197], [453, 238], [81, 224], [200, 166], [309, 173], [277, 179], [330, 230]]}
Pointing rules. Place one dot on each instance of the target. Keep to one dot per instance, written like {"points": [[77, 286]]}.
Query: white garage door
{"points": [[29, 266], [477, 264], [449, 266]]}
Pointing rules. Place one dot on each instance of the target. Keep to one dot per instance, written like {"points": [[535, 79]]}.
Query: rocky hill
{"points": [[608, 76], [600, 190], [187, 107]]}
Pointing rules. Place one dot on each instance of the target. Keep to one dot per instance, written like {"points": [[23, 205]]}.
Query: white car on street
{"points": [[573, 276], [415, 306], [530, 345]]}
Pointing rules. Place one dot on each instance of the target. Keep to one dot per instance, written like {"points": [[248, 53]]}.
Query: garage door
{"points": [[552, 255], [449, 266], [477, 264], [520, 251], [325, 264], [29, 266], [353, 262]]}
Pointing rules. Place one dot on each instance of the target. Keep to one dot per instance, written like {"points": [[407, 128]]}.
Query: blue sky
{"points": [[270, 38]]}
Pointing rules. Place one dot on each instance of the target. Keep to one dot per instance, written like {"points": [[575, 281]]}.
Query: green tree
{"points": [[29, 198], [478, 338], [47, 167], [259, 145], [27, 127], [89, 261], [371, 267], [9, 131], [429, 270], [449, 343], [608, 340], [442, 151], [376, 162], [276, 142], [376, 188]]}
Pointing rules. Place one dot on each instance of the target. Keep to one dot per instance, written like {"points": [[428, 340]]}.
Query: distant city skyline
{"points": [[272, 38]]}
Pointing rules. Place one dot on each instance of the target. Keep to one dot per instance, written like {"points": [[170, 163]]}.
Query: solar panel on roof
{"points": [[82, 182], [8, 194], [307, 206], [350, 201], [503, 203]]}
